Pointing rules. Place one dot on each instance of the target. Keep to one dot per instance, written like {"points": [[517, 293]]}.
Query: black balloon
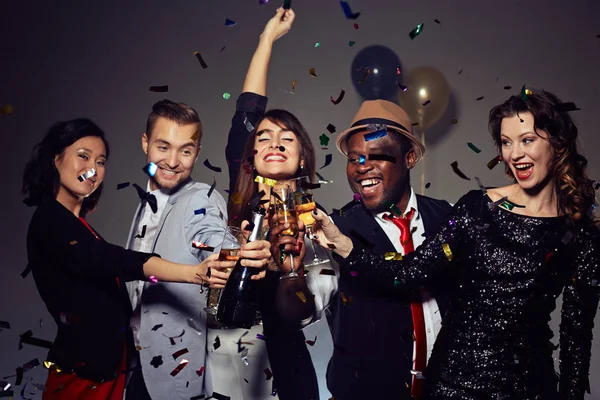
{"points": [[374, 73]]}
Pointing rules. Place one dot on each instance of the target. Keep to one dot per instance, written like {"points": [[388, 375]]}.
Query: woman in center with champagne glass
{"points": [[264, 147]]}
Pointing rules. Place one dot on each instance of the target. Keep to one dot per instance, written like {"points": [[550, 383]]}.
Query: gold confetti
{"points": [[312, 72], [266, 181], [236, 198], [7, 109], [301, 296], [392, 255], [345, 300], [73, 242], [294, 85], [448, 251]]}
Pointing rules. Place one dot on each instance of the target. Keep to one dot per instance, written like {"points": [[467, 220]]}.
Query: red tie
{"points": [[420, 357]]}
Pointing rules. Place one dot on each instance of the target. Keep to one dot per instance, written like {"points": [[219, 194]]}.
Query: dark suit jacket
{"points": [[76, 276], [372, 328]]}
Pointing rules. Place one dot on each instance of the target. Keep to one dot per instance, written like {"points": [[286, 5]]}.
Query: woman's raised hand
{"points": [[279, 25]]}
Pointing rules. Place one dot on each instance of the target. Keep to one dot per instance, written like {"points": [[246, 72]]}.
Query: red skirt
{"points": [[68, 386]]}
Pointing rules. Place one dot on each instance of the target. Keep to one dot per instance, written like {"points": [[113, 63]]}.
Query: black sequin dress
{"points": [[495, 341]]}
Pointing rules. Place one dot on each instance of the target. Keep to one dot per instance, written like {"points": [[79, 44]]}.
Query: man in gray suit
{"points": [[168, 323]]}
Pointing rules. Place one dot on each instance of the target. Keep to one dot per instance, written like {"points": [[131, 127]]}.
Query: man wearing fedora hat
{"points": [[381, 340]]}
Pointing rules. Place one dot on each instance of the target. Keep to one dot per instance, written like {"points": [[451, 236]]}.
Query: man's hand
{"points": [[328, 235]]}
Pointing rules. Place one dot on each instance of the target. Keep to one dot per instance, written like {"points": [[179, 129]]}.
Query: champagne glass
{"points": [[233, 238], [305, 205], [282, 201]]}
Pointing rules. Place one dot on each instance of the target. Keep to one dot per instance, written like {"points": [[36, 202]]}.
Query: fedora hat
{"points": [[380, 112]]}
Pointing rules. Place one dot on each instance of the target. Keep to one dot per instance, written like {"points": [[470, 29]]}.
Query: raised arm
{"points": [[251, 104], [580, 302]]}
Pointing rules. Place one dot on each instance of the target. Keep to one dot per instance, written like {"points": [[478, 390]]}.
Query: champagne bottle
{"points": [[239, 301]]}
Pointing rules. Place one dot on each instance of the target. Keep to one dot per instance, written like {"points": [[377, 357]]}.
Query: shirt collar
{"points": [[412, 203], [161, 196]]}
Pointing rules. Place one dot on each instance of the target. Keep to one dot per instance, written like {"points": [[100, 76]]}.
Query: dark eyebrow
{"points": [[521, 135], [263, 131]]}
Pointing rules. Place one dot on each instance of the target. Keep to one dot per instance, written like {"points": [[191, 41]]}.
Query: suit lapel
{"points": [[361, 222], [168, 208]]}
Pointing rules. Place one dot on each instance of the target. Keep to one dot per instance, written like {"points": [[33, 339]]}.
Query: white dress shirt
{"points": [[431, 312], [145, 244]]}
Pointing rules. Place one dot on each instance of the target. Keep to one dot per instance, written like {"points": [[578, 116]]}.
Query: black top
{"points": [[495, 339], [372, 328], [75, 274], [292, 367]]}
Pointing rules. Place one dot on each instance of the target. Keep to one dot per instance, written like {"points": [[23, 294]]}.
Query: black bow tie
{"points": [[146, 197]]}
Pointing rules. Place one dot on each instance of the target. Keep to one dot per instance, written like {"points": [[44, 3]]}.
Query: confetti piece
{"points": [[236, 198], [179, 353], [447, 251], [226, 96], [208, 165], [222, 48], [301, 296], [346, 300], [123, 185], [460, 72], [287, 4], [327, 271], [200, 211], [200, 396], [294, 84], [458, 171], [230, 22], [324, 139], [268, 374], [367, 72], [178, 368], [392, 255], [566, 107], [150, 169], [328, 159], [27, 338], [312, 72], [4, 325], [317, 44], [212, 188], [362, 159], [427, 185], [351, 43], [202, 246], [426, 103], [454, 121], [219, 396], [525, 92], [153, 279], [7, 109], [437, 21], [159, 89], [416, 32], [156, 327], [480, 98], [382, 157], [402, 87], [494, 161], [86, 175], [73, 242], [265, 181], [331, 128], [156, 361], [339, 99], [348, 11], [356, 197], [356, 26], [507, 87], [217, 343], [201, 60], [143, 234], [473, 147]]}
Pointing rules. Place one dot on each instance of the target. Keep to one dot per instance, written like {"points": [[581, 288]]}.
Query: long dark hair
{"points": [[567, 167], [245, 184], [41, 180]]}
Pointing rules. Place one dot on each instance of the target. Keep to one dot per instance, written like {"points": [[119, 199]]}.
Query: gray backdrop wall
{"points": [[61, 60]]}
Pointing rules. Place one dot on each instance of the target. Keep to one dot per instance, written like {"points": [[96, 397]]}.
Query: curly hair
{"points": [[574, 191], [41, 180]]}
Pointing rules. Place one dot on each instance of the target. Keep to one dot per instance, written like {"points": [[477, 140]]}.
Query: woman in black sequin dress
{"points": [[513, 251]]}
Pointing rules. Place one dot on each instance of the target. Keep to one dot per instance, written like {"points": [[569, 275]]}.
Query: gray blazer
{"points": [[172, 316]]}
